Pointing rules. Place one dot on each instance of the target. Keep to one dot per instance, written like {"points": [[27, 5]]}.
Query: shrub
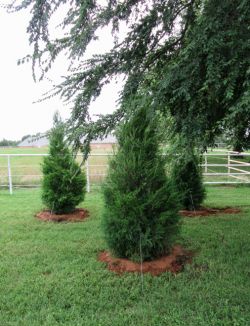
{"points": [[63, 186], [186, 175], [141, 211]]}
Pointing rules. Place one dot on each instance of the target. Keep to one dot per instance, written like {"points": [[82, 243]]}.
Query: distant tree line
{"points": [[5, 142]]}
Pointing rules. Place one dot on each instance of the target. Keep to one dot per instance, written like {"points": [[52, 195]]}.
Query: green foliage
{"points": [[186, 175], [238, 131], [206, 86], [196, 53], [63, 181], [5, 142], [25, 137], [141, 211]]}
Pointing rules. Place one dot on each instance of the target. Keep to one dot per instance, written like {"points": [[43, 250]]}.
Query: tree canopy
{"points": [[191, 57]]}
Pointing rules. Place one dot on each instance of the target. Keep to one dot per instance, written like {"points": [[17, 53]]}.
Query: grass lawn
{"points": [[49, 274]]}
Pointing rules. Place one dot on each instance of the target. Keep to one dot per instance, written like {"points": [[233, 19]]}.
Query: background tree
{"points": [[197, 49], [239, 133], [206, 87], [63, 185], [186, 174], [141, 209], [6, 142], [25, 137]]}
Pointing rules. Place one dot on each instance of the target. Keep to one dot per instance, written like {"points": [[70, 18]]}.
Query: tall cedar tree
{"points": [[141, 211], [63, 186], [197, 50], [186, 176]]}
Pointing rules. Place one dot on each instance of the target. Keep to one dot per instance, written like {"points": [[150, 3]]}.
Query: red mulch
{"points": [[77, 216], [174, 262], [204, 211]]}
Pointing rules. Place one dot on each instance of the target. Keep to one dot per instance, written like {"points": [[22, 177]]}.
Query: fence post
{"points": [[87, 175], [228, 163], [9, 175], [205, 162]]}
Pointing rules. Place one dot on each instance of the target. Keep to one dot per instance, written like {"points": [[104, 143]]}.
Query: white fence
{"points": [[24, 170], [227, 168]]}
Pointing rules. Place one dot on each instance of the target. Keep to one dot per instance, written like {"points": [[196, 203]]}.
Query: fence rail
{"points": [[24, 170]]}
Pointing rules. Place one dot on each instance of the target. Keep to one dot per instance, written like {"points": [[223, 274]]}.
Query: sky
{"points": [[19, 114]]}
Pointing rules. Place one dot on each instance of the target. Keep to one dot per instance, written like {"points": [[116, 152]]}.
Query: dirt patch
{"points": [[77, 216], [174, 262], [204, 211]]}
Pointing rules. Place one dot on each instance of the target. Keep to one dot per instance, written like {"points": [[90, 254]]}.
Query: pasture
{"points": [[26, 170], [50, 275], [222, 167]]}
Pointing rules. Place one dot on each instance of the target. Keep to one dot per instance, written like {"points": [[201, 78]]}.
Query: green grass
{"points": [[228, 196], [26, 170], [49, 273], [23, 150]]}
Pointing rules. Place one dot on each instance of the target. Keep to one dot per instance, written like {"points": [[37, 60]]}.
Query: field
{"points": [[26, 170], [50, 275]]}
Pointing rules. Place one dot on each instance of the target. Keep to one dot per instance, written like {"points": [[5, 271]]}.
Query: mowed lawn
{"points": [[50, 275]]}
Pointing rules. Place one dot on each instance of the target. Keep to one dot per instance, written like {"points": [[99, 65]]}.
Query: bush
{"points": [[186, 175], [64, 183], [141, 211]]}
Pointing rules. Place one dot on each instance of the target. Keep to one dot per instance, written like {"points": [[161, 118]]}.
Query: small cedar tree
{"points": [[186, 176], [63, 186], [141, 210]]}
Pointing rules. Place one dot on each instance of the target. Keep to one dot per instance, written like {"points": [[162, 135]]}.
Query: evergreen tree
{"points": [[186, 176], [64, 183], [141, 211]]}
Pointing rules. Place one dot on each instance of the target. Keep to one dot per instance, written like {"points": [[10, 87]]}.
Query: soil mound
{"points": [[204, 211], [77, 216], [174, 262]]}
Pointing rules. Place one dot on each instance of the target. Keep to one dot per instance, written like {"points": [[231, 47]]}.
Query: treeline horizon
{"points": [[6, 142]]}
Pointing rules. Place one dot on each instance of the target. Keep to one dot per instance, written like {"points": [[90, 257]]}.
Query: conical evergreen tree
{"points": [[186, 175], [63, 185], [141, 211]]}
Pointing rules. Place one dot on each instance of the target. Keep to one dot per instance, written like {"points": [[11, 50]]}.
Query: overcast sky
{"points": [[19, 114]]}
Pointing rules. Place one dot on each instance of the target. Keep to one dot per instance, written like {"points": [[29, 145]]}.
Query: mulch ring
{"points": [[77, 216], [204, 211], [174, 262]]}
